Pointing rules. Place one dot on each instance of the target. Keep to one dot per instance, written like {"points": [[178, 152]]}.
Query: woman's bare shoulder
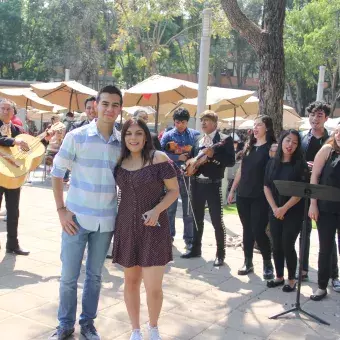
{"points": [[160, 157]]}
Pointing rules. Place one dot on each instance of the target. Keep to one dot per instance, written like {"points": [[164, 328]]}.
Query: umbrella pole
{"points": [[234, 121], [41, 123], [69, 105], [156, 117]]}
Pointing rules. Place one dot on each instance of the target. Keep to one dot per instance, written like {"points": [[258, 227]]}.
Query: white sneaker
{"points": [[153, 333], [336, 285], [136, 335]]}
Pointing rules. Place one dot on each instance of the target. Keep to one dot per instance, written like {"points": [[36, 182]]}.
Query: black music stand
{"points": [[307, 191]]}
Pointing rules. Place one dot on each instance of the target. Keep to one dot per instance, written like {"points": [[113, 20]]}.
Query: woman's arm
{"points": [[235, 185], [172, 192], [269, 197], [319, 162]]}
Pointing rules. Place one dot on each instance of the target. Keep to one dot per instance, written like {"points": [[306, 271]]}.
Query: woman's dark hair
{"points": [[297, 156], [270, 135], [148, 146]]}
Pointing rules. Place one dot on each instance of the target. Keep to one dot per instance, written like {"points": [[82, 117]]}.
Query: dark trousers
{"points": [[334, 263], [284, 234], [203, 192], [327, 223], [12, 206], [253, 214]]}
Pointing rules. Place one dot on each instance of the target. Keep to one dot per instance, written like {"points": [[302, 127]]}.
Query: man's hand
{"points": [[183, 157], [67, 223], [209, 152], [21, 144]]}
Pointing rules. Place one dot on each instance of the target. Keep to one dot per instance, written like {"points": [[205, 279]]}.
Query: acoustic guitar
{"points": [[16, 164]]}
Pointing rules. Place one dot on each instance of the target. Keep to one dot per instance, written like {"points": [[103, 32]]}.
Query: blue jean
{"points": [[188, 221], [72, 253]]}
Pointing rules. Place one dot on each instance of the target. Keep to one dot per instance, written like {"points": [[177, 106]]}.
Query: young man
{"points": [[177, 144], [311, 143], [89, 214], [90, 113], [7, 133], [207, 184]]}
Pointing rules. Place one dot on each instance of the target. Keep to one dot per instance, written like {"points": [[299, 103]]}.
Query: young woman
{"points": [[286, 213], [326, 171], [142, 242], [251, 203]]}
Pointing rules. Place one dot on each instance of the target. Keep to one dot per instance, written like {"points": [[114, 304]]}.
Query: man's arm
{"points": [[225, 154], [164, 141]]}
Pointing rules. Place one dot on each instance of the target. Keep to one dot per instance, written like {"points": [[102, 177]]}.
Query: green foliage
{"points": [[311, 40]]}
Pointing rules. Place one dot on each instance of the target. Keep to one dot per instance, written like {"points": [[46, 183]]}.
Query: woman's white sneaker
{"points": [[136, 335], [153, 333]]}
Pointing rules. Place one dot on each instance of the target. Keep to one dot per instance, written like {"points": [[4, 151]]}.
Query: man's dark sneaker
{"points": [[268, 270], [61, 334], [89, 332]]}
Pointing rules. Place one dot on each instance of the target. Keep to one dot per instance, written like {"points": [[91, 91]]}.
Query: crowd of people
{"points": [[125, 186]]}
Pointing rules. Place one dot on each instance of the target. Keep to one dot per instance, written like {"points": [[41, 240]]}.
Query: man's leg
{"points": [[98, 245], [12, 206], [215, 204], [188, 232], [72, 252]]}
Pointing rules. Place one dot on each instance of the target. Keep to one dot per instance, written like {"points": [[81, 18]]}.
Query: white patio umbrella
{"points": [[24, 97], [70, 94], [158, 90], [246, 125]]}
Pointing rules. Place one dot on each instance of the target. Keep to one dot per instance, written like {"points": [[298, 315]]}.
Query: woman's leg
{"points": [[259, 222], [153, 278], [291, 229], [278, 253], [133, 279], [327, 224], [244, 209]]}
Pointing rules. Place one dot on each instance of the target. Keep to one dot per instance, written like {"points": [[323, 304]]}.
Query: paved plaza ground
{"points": [[200, 302]]}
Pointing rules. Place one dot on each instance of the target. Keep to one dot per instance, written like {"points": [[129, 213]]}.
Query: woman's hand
{"points": [[151, 218], [230, 197], [279, 213], [313, 212]]}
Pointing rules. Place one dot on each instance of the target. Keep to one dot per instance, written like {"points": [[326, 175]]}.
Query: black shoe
{"points": [[268, 270], [219, 261], [315, 297], [247, 268], [274, 283], [17, 251], [108, 256], [191, 253], [288, 288]]}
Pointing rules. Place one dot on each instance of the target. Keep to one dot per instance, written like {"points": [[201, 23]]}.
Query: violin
{"points": [[192, 165]]}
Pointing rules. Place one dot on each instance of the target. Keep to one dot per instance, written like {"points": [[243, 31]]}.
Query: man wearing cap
{"points": [[177, 143], [207, 184]]}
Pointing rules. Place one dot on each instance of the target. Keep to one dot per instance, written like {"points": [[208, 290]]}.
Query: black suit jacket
{"points": [[8, 141], [155, 141], [224, 156]]}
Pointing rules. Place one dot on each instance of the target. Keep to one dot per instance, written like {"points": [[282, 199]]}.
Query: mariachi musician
{"points": [[7, 133], [207, 173]]}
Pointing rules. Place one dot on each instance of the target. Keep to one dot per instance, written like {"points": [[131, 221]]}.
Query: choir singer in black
{"points": [[207, 183]]}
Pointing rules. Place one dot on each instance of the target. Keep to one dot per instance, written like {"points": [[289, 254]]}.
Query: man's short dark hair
{"points": [[319, 106], [112, 90], [181, 114], [90, 99]]}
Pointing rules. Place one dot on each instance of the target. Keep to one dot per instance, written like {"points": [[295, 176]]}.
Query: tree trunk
{"points": [[268, 44]]}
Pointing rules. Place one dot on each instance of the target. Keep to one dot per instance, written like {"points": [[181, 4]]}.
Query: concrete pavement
{"points": [[200, 302]]}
